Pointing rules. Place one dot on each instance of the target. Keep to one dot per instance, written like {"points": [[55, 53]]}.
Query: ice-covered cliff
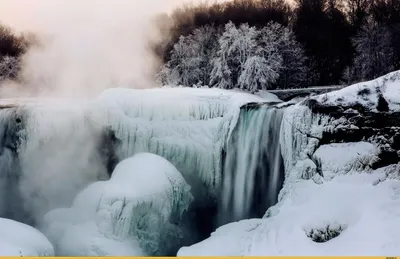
{"points": [[52, 150], [341, 190]]}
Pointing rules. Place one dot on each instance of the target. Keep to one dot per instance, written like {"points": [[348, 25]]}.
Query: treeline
{"points": [[271, 44], [12, 47]]}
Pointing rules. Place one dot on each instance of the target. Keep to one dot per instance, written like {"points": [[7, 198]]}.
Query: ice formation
{"points": [[52, 148], [17, 239], [136, 212], [188, 127]]}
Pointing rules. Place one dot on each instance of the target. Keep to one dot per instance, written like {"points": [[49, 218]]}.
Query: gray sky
{"points": [[34, 14]]}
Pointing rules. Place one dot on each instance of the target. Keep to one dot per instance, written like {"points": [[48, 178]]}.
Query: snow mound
{"points": [[345, 216], [341, 158], [132, 214], [367, 93], [17, 239]]}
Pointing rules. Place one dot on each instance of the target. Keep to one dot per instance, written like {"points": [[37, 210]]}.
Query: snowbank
{"points": [[366, 93], [130, 215], [342, 158], [17, 239], [365, 216]]}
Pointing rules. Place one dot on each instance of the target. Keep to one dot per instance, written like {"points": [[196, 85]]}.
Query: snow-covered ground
{"points": [[368, 217], [363, 206], [366, 93], [17, 239]]}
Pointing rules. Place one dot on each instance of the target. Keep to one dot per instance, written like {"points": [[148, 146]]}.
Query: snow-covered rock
{"points": [[365, 216], [17, 239], [136, 212], [342, 158], [367, 93]]}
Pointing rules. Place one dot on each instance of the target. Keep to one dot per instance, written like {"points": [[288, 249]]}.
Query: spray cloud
{"points": [[85, 46]]}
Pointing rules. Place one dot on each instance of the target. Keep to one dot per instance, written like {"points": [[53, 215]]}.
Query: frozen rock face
{"points": [[137, 212], [17, 239]]}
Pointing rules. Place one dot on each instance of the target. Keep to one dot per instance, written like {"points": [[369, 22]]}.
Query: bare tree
{"points": [[374, 51]]}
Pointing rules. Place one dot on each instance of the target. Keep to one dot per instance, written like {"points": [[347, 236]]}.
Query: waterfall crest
{"points": [[253, 169]]}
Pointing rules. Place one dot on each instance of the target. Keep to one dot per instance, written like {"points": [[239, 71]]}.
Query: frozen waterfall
{"points": [[253, 170], [224, 143]]}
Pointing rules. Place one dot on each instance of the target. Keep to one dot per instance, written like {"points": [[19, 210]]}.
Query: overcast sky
{"points": [[34, 14]]}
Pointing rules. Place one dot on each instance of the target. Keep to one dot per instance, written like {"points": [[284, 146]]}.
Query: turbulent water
{"points": [[253, 171]]}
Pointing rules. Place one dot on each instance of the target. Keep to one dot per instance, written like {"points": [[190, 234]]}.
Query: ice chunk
{"points": [[131, 214]]}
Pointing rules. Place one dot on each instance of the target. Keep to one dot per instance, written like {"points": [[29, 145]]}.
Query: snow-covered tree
{"points": [[221, 74], [184, 65], [207, 42], [374, 51], [258, 73], [280, 41], [190, 62], [242, 57], [236, 45], [9, 67]]}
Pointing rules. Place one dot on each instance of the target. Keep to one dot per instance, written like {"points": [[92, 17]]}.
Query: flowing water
{"points": [[253, 170]]}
